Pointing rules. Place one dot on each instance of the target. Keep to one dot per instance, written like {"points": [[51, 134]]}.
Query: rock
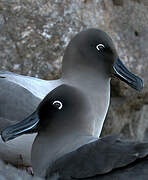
{"points": [[131, 38], [118, 2], [8, 172], [34, 34], [142, 128], [145, 2], [128, 116]]}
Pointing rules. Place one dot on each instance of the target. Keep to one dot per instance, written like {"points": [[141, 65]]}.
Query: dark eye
{"points": [[58, 104], [100, 47]]}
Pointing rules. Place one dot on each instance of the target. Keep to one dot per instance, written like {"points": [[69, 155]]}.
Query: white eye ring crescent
{"points": [[61, 105], [99, 45]]}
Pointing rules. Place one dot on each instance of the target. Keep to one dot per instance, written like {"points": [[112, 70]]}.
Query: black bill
{"points": [[125, 75], [28, 125]]}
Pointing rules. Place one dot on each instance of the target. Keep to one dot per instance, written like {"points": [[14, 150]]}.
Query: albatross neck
{"points": [[96, 89]]}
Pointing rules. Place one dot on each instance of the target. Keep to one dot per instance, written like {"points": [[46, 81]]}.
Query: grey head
{"points": [[57, 109], [62, 122], [92, 48], [92, 52]]}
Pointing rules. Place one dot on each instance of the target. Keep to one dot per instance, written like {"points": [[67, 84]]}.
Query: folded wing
{"points": [[105, 159]]}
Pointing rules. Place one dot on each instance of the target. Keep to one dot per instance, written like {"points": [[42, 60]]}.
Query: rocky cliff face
{"points": [[7, 172], [34, 34]]}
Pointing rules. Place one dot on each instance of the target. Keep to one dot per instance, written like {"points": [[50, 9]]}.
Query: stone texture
{"points": [[118, 2], [34, 34], [128, 116], [7, 172]]}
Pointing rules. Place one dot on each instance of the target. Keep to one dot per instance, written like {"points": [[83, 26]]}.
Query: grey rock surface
{"points": [[34, 34], [7, 172]]}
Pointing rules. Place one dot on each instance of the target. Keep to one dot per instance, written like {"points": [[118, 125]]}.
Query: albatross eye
{"points": [[100, 47], [58, 104]]}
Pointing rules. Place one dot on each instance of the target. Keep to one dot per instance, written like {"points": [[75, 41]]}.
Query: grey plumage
{"points": [[16, 103], [105, 159], [38, 87], [5, 123]]}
